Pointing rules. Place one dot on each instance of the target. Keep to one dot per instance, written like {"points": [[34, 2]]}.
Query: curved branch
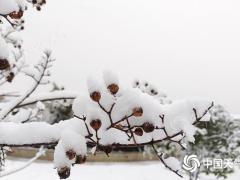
{"points": [[164, 163]]}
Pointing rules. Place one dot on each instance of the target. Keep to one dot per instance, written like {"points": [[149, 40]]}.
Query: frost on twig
{"points": [[40, 153], [39, 74], [110, 116]]}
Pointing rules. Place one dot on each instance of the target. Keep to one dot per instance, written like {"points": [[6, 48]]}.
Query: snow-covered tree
{"points": [[217, 141], [106, 117]]}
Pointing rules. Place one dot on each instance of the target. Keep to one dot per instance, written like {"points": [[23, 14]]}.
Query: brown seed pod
{"points": [[113, 88], [148, 127], [16, 15], [4, 64], [64, 172], [71, 154], [138, 131], [137, 112], [80, 159], [95, 96], [96, 124], [10, 77]]}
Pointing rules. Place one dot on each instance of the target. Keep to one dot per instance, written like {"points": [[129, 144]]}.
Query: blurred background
{"points": [[187, 48]]}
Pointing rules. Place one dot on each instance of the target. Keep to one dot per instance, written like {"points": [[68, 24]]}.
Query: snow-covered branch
{"points": [[108, 117], [38, 74], [51, 96]]}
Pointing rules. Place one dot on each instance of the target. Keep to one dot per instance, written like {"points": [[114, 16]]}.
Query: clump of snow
{"points": [[180, 116], [110, 78], [70, 140], [74, 141], [93, 85], [60, 158], [79, 106], [173, 163]]}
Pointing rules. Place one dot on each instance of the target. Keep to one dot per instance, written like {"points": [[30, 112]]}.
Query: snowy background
{"points": [[186, 48]]}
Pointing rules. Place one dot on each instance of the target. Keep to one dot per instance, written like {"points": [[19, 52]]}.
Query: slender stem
{"points": [[165, 164]]}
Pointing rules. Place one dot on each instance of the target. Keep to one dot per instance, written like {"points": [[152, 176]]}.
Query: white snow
{"points": [[93, 85], [74, 141], [110, 78], [49, 96], [8, 6], [40, 170], [173, 163], [35, 132], [60, 158]]}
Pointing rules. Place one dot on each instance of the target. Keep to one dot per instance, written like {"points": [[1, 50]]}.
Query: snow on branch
{"points": [[51, 96], [39, 74], [110, 116]]}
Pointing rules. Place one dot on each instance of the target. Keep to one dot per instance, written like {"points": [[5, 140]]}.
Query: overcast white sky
{"points": [[185, 47]]}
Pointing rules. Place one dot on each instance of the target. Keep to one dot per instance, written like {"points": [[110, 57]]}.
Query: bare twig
{"points": [[160, 157]]}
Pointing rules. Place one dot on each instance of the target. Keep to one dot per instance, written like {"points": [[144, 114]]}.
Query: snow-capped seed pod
{"points": [[10, 77], [113, 88], [4, 64], [94, 89], [137, 112], [64, 172], [16, 15], [96, 124], [95, 96], [148, 127], [80, 159], [111, 81], [138, 131], [71, 154]]}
